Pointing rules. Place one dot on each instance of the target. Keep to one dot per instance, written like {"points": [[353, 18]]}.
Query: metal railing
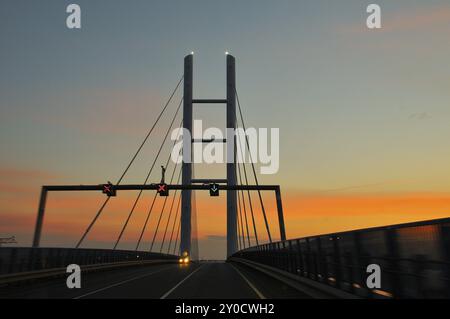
{"points": [[15, 260], [414, 259]]}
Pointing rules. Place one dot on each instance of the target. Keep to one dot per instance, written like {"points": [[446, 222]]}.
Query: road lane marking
{"points": [[177, 285], [121, 283], [258, 293]]}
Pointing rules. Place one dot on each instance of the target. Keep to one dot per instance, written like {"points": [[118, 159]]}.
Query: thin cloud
{"points": [[420, 116], [434, 18], [341, 189], [18, 173], [112, 112]]}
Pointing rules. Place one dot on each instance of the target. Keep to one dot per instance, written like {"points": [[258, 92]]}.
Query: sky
{"points": [[363, 114]]}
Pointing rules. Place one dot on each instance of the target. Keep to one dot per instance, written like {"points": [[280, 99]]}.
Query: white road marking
{"points": [[260, 295], [177, 285], [121, 283]]}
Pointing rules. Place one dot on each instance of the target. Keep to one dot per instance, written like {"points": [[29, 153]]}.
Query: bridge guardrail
{"points": [[414, 259], [309, 287], [23, 259]]}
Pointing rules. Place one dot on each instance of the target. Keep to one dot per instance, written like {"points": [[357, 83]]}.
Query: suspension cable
{"points": [[178, 234], [148, 175], [248, 195], [130, 163], [240, 227], [151, 130], [93, 222], [241, 223], [146, 220], [162, 209], [159, 221], [254, 171], [170, 213], [174, 223], [239, 244], [242, 197], [154, 198]]}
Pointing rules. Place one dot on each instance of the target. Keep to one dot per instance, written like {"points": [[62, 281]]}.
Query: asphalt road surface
{"points": [[218, 280]]}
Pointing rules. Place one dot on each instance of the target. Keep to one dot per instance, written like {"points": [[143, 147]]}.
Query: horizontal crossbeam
{"points": [[132, 187], [209, 101], [209, 181]]}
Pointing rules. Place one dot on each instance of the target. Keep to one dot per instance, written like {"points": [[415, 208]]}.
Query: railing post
{"points": [[292, 259], [348, 262], [274, 254], [301, 259], [419, 267], [444, 232], [320, 263], [337, 261], [362, 260], [308, 258], [393, 255], [285, 256], [12, 261], [266, 254]]}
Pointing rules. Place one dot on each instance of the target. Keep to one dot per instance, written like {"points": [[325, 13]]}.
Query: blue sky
{"points": [[310, 67]]}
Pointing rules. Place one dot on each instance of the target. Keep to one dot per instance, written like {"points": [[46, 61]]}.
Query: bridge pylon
{"points": [[189, 183], [188, 102]]}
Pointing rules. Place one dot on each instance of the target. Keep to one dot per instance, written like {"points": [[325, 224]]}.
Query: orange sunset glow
{"points": [[306, 213]]}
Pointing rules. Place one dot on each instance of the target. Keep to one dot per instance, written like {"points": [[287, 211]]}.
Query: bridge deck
{"points": [[204, 280]]}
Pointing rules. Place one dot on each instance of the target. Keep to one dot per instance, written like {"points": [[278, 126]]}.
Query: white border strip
{"points": [[178, 284], [121, 283], [260, 295]]}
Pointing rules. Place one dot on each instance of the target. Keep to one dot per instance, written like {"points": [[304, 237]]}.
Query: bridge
{"points": [[413, 259]]}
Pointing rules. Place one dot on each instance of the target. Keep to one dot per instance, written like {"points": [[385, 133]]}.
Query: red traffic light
{"points": [[109, 190], [163, 189]]}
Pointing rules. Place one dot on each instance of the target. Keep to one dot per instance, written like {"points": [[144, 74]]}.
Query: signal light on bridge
{"points": [[109, 190], [213, 189], [163, 190]]}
